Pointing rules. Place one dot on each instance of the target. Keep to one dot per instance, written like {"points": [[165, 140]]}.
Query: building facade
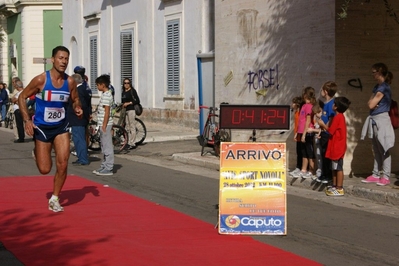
{"points": [[154, 43], [267, 51], [260, 52], [32, 29]]}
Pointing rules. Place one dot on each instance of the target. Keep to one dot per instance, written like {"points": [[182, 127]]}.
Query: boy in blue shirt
{"points": [[327, 92]]}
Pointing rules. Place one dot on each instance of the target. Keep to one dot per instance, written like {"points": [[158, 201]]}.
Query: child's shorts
{"points": [[307, 147], [337, 165]]}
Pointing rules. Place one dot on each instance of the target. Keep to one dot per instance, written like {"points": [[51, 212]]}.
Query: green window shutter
{"points": [[173, 57]]}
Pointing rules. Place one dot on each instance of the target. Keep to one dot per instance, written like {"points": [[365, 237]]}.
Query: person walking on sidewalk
{"points": [[129, 99], [79, 125], [49, 129], [19, 122], [105, 122], [336, 147], [378, 126]]}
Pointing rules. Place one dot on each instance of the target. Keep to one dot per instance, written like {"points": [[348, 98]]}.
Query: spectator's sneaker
{"points": [[325, 181], [296, 171], [318, 173], [77, 163], [329, 189], [371, 179], [98, 170], [335, 192], [54, 205], [105, 172], [383, 182], [298, 174], [306, 175], [74, 153]]}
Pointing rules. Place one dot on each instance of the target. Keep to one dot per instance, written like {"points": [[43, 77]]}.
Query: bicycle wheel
{"points": [[11, 121], [141, 132], [119, 138], [205, 137], [222, 135], [94, 138], [225, 135]]}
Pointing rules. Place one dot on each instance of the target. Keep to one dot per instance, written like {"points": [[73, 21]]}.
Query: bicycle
{"points": [[120, 137], [141, 130], [9, 119], [212, 136]]}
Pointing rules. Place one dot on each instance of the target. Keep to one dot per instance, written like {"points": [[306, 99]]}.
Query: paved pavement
{"points": [[353, 185], [158, 132]]}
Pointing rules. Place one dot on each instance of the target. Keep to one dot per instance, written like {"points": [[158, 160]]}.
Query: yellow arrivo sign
{"points": [[252, 190]]}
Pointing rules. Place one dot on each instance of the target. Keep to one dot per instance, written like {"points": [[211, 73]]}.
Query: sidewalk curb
{"points": [[381, 197], [169, 138], [385, 195], [206, 161]]}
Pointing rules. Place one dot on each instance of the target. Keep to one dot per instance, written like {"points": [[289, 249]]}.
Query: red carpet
{"points": [[103, 226]]}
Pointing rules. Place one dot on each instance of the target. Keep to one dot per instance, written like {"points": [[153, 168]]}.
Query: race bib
{"points": [[54, 114]]}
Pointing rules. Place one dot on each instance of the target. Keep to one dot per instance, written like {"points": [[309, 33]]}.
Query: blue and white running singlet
{"points": [[51, 103]]}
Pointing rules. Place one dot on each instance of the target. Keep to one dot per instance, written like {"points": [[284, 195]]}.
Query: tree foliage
{"points": [[345, 6]]}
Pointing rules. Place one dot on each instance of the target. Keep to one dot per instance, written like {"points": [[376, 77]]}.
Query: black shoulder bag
{"points": [[137, 107]]}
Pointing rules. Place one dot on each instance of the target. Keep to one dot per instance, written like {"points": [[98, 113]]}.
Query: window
{"points": [[127, 55], [93, 64], [173, 57]]}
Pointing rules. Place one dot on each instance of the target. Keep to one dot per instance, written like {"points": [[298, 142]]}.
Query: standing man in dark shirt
{"points": [[19, 122], [3, 102], [79, 125]]}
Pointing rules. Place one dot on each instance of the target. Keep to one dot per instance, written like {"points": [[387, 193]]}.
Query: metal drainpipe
{"points": [[200, 100]]}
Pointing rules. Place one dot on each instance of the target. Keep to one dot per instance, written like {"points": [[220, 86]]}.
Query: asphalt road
{"points": [[344, 231]]}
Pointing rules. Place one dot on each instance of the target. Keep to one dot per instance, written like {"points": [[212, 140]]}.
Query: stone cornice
{"points": [[92, 17], [10, 8]]}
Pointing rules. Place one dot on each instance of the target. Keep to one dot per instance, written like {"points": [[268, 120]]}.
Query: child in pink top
{"points": [[306, 122]]}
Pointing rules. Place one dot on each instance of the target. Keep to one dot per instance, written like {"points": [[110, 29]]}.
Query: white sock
{"points": [[54, 197]]}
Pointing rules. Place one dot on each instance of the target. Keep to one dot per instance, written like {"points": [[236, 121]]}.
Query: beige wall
{"points": [[366, 37], [310, 46]]}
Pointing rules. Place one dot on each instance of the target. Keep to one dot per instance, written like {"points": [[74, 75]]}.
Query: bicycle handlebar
{"points": [[207, 107]]}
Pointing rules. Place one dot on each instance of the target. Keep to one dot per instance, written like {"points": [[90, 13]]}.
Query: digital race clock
{"points": [[273, 117]]}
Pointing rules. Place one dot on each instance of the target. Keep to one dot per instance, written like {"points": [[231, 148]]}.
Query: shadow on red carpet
{"points": [[103, 226]]}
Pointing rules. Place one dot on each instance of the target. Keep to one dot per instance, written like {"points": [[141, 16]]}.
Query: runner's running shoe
{"points": [[54, 205]]}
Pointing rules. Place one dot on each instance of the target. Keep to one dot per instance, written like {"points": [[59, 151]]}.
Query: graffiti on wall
{"points": [[356, 83], [263, 79]]}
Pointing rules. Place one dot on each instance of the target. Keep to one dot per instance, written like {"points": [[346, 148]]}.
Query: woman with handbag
{"points": [[130, 98]]}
